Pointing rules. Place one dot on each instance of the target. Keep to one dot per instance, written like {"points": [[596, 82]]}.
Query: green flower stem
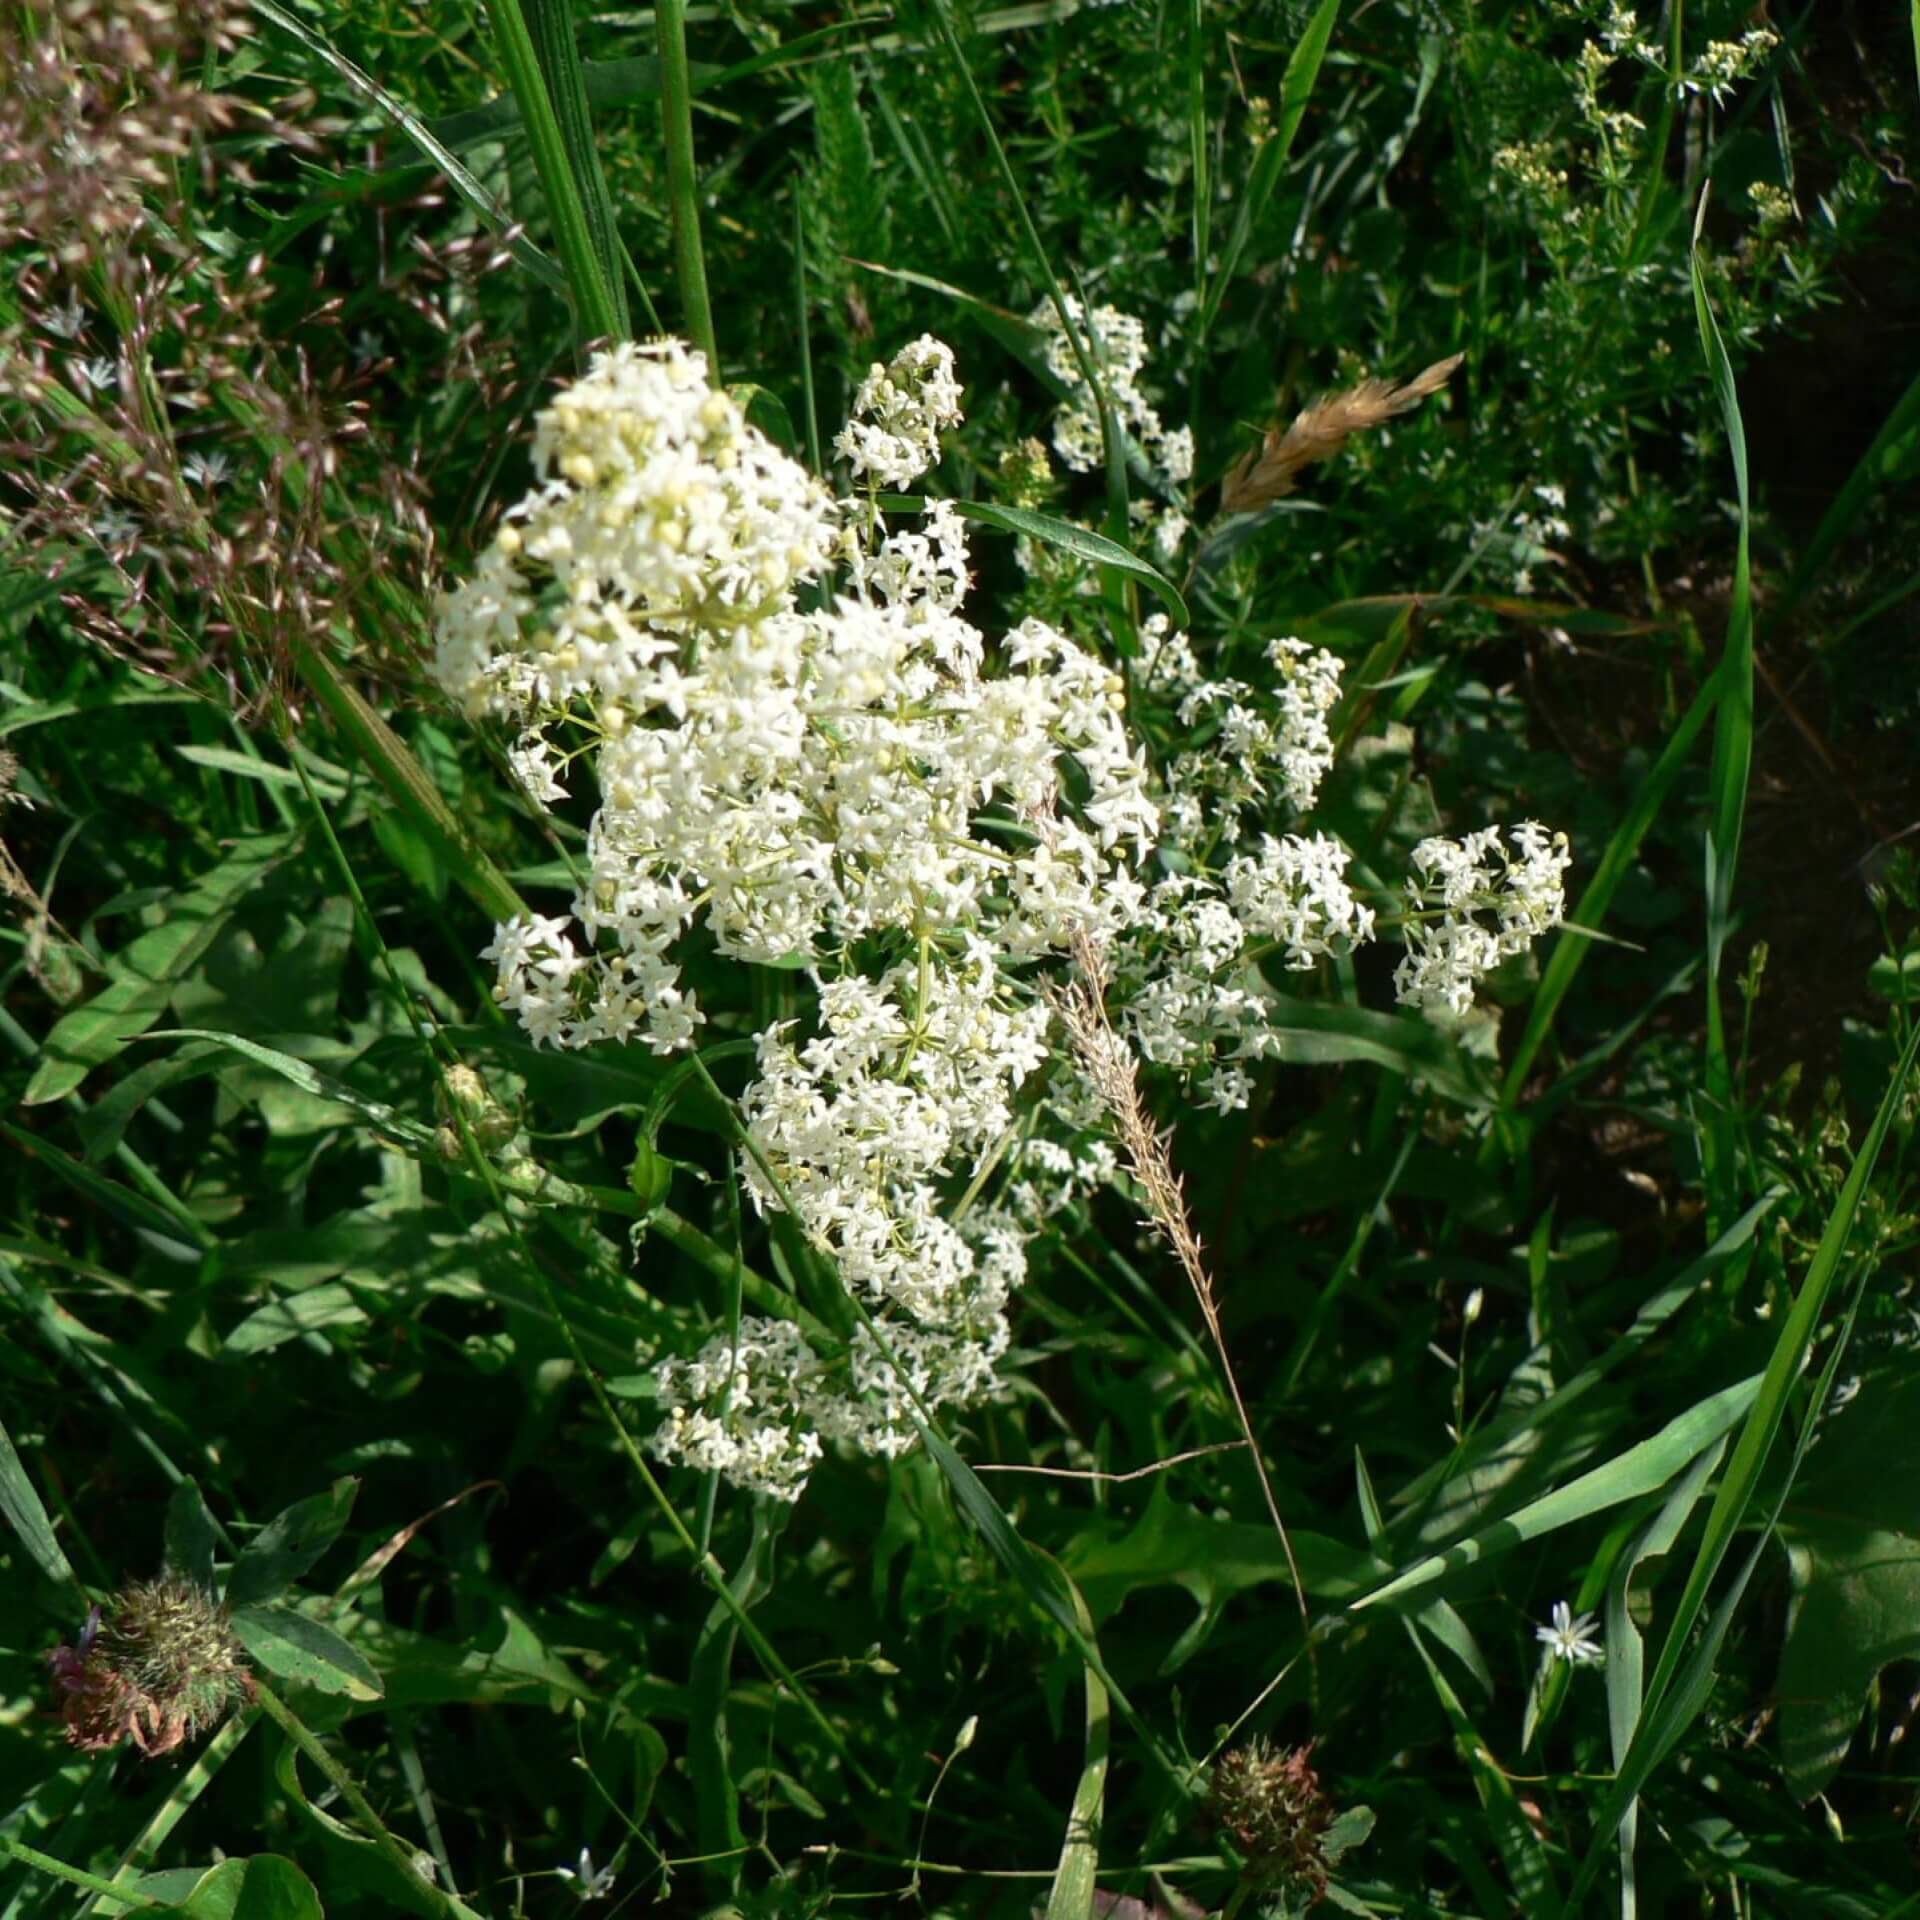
{"points": [[683, 180], [596, 317], [296, 1730], [75, 1877]]}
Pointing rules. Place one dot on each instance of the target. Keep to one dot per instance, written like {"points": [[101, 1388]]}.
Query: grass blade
{"points": [[1732, 755], [1626, 1661], [550, 23], [1296, 89], [1078, 540], [407, 785], [1783, 1368], [1570, 950], [1642, 1469], [595, 314], [1071, 1895], [416, 130], [683, 180], [26, 1514]]}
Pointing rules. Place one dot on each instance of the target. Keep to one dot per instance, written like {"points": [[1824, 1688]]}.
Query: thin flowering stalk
{"points": [[1109, 1065]]}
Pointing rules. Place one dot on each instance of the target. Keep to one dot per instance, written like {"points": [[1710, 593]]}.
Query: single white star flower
{"points": [[589, 1885], [1571, 1637]]}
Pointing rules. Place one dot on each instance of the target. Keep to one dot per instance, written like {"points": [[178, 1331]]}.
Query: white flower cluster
{"points": [[1726, 63], [1191, 993], [1456, 887], [899, 414], [1259, 743], [802, 785], [847, 788], [1117, 344]]}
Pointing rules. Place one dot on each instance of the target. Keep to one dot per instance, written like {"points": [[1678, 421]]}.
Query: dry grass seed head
{"points": [[1267, 472]]}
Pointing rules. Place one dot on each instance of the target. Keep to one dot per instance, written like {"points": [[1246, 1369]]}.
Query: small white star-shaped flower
{"points": [[1571, 1637]]}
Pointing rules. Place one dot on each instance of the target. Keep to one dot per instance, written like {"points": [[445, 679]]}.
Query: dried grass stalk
{"points": [[1266, 473], [1113, 1073]]}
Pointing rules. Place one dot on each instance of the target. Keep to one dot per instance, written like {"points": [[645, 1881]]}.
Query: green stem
{"points": [[683, 180], [596, 316], [296, 1730], [76, 1877]]}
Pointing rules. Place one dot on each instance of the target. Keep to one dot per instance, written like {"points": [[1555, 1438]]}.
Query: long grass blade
{"points": [[550, 23], [1732, 757], [596, 317], [1071, 1895], [433, 150], [1626, 1654], [1296, 89], [1640, 1470], [683, 180]]}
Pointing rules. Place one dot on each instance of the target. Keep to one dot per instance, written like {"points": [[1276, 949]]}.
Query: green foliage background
{"points": [[246, 1265]]}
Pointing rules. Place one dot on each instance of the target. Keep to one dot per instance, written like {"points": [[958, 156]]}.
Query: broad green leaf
{"points": [[1853, 1542], [305, 1651], [264, 1887], [145, 972], [290, 1543], [332, 1304], [1320, 1032]]}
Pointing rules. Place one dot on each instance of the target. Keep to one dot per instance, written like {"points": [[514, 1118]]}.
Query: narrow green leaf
{"points": [[1789, 1356], [1507, 1428], [595, 316], [1077, 540], [1626, 1660], [289, 1544], [23, 1511], [305, 1651], [1732, 751], [146, 972], [550, 23], [1296, 89], [683, 179], [1682, 1681], [1071, 1895], [1570, 949], [1639, 1470], [407, 785], [432, 150], [309, 1079]]}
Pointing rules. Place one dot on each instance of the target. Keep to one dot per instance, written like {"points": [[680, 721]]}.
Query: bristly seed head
{"points": [[1267, 1801], [158, 1665]]}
